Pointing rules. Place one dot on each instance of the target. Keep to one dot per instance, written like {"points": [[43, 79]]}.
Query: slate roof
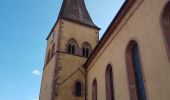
{"points": [[75, 10]]}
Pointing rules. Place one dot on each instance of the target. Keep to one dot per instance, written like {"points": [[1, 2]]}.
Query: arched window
{"points": [[87, 52], [78, 88], [72, 46], [84, 52], [73, 49], [134, 71], [94, 90], [53, 50], [69, 48], [86, 49], [166, 26], [109, 83]]}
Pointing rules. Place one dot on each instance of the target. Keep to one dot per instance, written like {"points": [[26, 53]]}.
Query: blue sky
{"points": [[24, 26]]}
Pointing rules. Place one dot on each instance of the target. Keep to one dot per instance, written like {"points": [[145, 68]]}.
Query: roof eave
{"points": [[92, 26], [115, 22], [95, 27]]}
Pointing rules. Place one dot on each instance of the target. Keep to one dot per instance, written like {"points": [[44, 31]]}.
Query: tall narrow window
{"points": [[87, 52], [72, 46], [69, 48], [109, 83], [78, 88], [73, 49], [135, 77], [84, 52], [94, 90], [86, 49], [166, 26]]}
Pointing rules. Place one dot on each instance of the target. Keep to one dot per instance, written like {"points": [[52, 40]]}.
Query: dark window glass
{"points": [[87, 52], [86, 49], [109, 83], [140, 89], [78, 89], [134, 71], [73, 49], [83, 52], [69, 48]]}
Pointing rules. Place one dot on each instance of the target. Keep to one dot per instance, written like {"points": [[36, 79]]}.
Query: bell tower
{"points": [[69, 44]]}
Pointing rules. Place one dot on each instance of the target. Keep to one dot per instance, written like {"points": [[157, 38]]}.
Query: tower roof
{"points": [[75, 10]]}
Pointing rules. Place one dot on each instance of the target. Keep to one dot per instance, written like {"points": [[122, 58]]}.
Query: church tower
{"points": [[69, 44]]}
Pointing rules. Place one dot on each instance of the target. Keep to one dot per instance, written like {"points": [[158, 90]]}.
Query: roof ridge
{"points": [[78, 11]]}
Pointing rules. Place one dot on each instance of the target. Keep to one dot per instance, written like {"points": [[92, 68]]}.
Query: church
{"points": [[130, 62]]}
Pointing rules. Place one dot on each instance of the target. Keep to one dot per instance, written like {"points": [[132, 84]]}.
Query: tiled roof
{"points": [[75, 10]]}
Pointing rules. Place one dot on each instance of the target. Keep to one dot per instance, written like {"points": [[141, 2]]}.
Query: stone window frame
{"points": [[86, 49], [165, 23], [109, 85], [74, 43], [94, 90], [74, 88], [130, 71]]}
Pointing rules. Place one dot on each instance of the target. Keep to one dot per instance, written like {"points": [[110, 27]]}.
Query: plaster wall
{"points": [[142, 24], [47, 81], [79, 33]]}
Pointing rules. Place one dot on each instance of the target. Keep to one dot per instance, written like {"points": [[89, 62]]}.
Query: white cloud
{"points": [[36, 72]]}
